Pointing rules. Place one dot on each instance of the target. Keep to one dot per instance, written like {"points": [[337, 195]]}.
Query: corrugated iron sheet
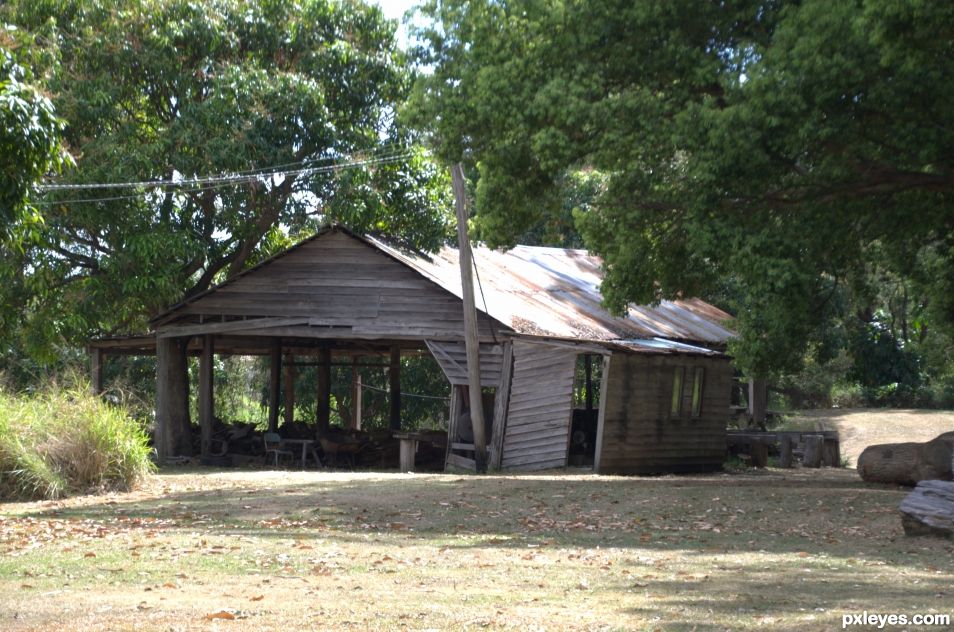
{"points": [[555, 292]]}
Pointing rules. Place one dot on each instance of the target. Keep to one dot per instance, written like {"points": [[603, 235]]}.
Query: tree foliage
{"points": [[180, 89], [29, 139], [788, 147]]}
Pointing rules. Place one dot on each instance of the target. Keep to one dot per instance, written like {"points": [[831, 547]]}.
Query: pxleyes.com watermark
{"points": [[873, 619]]}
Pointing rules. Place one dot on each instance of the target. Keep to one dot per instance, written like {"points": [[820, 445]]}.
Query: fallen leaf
{"points": [[222, 614], [89, 554], [257, 598]]}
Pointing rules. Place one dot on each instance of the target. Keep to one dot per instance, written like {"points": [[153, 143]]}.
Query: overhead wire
{"points": [[273, 170], [210, 183]]}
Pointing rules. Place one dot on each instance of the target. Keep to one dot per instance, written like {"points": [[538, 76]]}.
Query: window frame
{"points": [[698, 391], [676, 395]]}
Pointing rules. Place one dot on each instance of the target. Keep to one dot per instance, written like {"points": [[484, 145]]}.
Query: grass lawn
{"points": [[245, 550]]}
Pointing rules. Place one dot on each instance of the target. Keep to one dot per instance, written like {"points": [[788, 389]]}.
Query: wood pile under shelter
{"points": [[663, 379]]}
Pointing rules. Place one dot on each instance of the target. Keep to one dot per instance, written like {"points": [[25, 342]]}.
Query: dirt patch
{"points": [[859, 428]]}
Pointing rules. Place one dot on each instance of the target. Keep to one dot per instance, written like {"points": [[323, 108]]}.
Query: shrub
{"points": [[65, 441]]}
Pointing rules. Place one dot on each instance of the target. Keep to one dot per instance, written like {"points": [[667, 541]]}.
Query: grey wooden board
{"points": [[338, 280], [452, 358], [540, 408]]}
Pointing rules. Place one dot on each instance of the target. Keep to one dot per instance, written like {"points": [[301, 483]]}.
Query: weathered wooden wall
{"points": [[536, 434], [452, 358], [338, 280], [637, 433]]}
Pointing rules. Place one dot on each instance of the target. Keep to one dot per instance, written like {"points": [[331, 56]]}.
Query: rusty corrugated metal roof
{"points": [[555, 292]]}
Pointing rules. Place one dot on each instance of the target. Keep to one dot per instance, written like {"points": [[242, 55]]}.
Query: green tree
{"points": [[784, 146], [179, 89], [29, 139]]}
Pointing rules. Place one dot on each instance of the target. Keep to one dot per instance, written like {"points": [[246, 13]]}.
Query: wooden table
{"points": [[306, 445]]}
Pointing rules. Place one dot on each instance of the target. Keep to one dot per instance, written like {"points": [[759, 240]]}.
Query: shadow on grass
{"points": [[830, 512]]}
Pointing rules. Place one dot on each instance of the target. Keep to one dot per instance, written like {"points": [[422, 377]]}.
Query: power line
{"points": [[403, 394], [209, 184], [240, 176]]}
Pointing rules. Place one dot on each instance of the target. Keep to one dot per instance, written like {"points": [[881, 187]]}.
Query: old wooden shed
{"points": [[662, 377]]}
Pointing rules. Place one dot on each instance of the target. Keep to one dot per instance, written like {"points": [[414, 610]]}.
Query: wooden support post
{"points": [[274, 384], [814, 444], [206, 406], [501, 404], [289, 366], [358, 394], [471, 340], [785, 456], [831, 452], [173, 428], [408, 450], [601, 415], [394, 388], [758, 401], [324, 390], [96, 358]]}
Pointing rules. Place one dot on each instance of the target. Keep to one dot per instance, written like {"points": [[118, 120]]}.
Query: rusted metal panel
{"points": [[531, 290], [556, 292], [537, 430]]}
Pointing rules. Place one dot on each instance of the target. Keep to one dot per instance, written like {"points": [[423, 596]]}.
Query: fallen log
{"points": [[929, 509], [908, 463]]}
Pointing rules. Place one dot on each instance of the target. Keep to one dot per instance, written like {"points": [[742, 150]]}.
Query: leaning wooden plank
{"points": [[458, 461], [929, 509]]}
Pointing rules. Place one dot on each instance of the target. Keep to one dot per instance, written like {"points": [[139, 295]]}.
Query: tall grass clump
{"points": [[66, 441]]}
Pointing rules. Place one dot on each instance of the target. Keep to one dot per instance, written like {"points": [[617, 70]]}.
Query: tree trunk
{"points": [[173, 426], [759, 454]]}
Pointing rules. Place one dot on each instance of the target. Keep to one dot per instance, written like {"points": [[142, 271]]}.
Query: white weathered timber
{"points": [[540, 407], [929, 509], [501, 404], [452, 358]]}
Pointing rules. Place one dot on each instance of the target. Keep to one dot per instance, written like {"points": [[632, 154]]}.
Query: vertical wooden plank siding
{"points": [[601, 415], [324, 391], [540, 407], [289, 406], [274, 384], [501, 402], [394, 389], [638, 434], [206, 406], [452, 420], [372, 293]]}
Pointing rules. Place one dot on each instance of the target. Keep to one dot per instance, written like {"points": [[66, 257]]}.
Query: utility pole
{"points": [[471, 342]]}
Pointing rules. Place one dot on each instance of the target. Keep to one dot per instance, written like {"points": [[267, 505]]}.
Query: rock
{"points": [[929, 509], [908, 463]]}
